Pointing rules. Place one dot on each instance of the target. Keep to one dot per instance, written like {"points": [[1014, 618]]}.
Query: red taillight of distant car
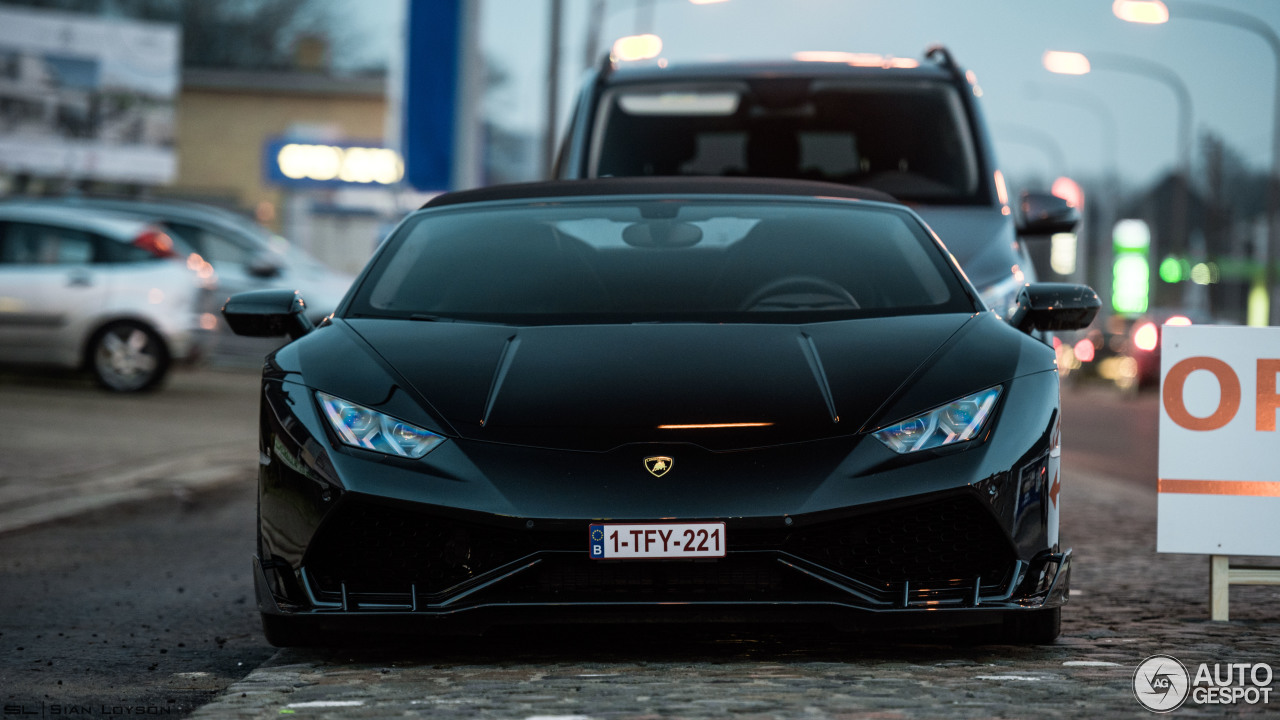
{"points": [[1084, 350], [1146, 337], [156, 242]]}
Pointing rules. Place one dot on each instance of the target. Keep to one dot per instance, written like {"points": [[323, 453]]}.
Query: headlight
{"points": [[1003, 296], [955, 422], [358, 426]]}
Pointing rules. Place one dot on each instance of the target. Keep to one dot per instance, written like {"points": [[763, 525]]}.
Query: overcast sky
{"points": [[1231, 73]]}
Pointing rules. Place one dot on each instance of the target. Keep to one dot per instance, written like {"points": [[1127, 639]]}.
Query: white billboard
{"points": [[83, 97], [1219, 476]]}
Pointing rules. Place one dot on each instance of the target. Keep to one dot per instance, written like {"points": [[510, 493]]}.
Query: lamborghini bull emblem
{"points": [[658, 465]]}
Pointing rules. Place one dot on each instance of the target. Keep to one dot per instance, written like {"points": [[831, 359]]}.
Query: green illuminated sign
{"points": [[1131, 235], [1173, 270], [1131, 272]]}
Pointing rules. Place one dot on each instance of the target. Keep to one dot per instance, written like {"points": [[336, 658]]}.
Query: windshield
{"points": [[614, 259], [909, 138]]}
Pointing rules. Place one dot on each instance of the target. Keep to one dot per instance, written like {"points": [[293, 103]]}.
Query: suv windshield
{"points": [[909, 138], [615, 259]]}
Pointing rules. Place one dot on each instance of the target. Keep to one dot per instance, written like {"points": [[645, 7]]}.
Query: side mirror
{"points": [[267, 313], [1055, 306], [1045, 214], [263, 266]]}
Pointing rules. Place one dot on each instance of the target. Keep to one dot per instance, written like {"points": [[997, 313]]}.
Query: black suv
{"points": [[910, 128]]}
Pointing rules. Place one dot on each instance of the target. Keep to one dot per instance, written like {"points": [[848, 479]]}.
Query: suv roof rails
{"points": [[941, 55], [607, 66]]}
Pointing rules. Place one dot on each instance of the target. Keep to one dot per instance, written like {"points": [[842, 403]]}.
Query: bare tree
{"points": [[248, 33]]}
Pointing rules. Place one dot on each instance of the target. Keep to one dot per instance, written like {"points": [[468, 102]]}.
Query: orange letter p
{"points": [[1268, 400]]}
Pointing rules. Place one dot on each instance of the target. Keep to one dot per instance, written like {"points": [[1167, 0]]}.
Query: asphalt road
{"points": [[147, 604], [140, 605], [1111, 433], [147, 600]]}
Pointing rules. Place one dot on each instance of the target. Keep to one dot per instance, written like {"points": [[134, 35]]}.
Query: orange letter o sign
{"points": [[1228, 404]]}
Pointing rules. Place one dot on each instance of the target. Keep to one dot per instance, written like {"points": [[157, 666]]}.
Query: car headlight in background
{"points": [[358, 426], [955, 422]]}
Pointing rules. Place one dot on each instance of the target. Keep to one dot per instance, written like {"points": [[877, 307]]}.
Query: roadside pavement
{"points": [[67, 448]]}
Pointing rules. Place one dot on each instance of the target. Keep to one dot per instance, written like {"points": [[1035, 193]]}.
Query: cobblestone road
{"points": [[1128, 603]]}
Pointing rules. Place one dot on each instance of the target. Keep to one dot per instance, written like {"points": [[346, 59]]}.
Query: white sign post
{"points": [[1219, 481]]}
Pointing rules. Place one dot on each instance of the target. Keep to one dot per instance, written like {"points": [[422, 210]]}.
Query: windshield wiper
{"points": [[428, 317]]}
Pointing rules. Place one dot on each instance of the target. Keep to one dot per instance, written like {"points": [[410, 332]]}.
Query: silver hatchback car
{"points": [[108, 292], [246, 256]]}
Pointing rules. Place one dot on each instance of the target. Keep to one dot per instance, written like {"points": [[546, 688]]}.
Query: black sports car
{"points": [[663, 400]]}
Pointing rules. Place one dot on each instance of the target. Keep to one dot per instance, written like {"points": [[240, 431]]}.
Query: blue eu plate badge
{"points": [[597, 541]]}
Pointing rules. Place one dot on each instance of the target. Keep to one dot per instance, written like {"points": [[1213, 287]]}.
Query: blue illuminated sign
{"points": [[299, 163]]}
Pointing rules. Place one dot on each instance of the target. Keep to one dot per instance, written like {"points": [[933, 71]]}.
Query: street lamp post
{"points": [[1156, 12], [1093, 104], [1072, 63], [1180, 218], [556, 11], [595, 25], [1102, 211], [1080, 64], [1049, 146], [1046, 143], [1134, 65]]}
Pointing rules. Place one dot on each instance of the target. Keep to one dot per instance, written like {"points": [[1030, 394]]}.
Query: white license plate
{"points": [[618, 541]]}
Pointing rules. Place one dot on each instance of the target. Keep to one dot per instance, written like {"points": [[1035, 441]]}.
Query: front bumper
{"points": [[936, 563], [853, 611]]}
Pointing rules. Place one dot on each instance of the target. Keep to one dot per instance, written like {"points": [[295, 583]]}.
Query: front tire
{"points": [[127, 357]]}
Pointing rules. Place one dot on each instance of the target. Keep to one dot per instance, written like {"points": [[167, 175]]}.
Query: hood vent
{"points": [[819, 375], [505, 360]]}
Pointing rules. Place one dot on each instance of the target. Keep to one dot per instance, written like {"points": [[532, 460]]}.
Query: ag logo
{"points": [[658, 465], [1161, 683]]}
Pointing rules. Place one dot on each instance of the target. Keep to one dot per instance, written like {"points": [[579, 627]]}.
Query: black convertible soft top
{"points": [[659, 186]]}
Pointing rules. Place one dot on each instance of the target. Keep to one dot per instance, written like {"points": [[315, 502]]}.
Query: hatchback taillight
{"points": [[156, 242]]}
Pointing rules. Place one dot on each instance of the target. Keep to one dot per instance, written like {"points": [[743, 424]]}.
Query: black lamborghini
{"points": [[668, 400]]}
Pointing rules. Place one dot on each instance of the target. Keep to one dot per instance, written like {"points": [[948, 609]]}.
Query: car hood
{"points": [[982, 239], [597, 387]]}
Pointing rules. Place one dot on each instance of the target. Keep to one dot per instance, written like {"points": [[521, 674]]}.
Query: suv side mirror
{"points": [[1055, 306], [267, 313], [1045, 214], [262, 265]]}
